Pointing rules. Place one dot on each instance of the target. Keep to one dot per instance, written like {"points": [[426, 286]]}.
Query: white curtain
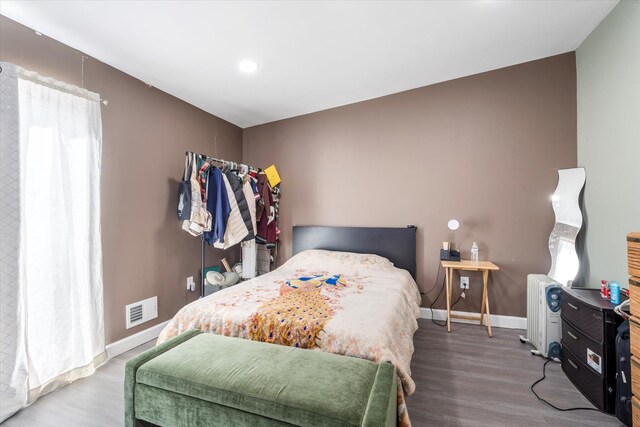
{"points": [[60, 302], [13, 370]]}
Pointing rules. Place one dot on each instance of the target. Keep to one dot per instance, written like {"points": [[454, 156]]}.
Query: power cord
{"points": [[435, 283], [433, 303], [438, 297], [544, 375]]}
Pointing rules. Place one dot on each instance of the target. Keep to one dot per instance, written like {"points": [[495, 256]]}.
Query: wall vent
{"points": [[141, 311]]}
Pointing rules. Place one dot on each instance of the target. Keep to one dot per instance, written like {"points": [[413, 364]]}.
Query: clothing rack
{"points": [[233, 166]]}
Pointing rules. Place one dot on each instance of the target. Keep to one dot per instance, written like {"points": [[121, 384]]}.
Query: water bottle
{"points": [[614, 288], [475, 252]]}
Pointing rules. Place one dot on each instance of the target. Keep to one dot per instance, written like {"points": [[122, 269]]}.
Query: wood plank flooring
{"points": [[462, 379], [95, 401], [465, 378]]}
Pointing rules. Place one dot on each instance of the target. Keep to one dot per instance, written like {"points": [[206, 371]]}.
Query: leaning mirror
{"points": [[562, 241]]}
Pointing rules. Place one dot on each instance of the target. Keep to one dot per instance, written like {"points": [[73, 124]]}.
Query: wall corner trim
{"points": [[117, 348], [498, 321]]}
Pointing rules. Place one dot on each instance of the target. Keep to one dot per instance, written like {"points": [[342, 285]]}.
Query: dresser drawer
{"points": [[585, 349], [586, 380], [634, 331], [634, 295], [590, 320]]}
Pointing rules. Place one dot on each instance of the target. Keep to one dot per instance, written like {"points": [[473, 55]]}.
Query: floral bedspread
{"points": [[352, 304]]}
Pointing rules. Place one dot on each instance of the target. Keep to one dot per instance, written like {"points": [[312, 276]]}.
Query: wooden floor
{"points": [[95, 401], [463, 379]]}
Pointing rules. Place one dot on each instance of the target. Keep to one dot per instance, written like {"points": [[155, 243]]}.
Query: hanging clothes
{"points": [[184, 192], [200, 218], [236, 184], [264, 193], [251, 201], [249, 248], [229, 207], [218, 205], [266, 213], [203, 174], [254, 186], [236, 230]]}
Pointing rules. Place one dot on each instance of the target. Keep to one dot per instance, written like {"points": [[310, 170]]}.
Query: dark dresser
{"points": [[589, 327]]}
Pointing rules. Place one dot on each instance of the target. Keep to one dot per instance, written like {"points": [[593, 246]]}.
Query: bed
{"points": [[346, 290]]}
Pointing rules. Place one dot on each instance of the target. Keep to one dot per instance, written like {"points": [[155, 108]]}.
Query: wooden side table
{"points": [[465, 265]]}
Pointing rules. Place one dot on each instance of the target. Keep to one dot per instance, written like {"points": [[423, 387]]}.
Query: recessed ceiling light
{"points": [[248, 66]]}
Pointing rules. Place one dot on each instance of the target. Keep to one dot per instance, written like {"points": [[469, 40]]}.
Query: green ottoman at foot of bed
{"points": [[199, 379]]}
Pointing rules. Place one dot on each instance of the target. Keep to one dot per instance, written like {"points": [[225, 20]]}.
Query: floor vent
{"points": [[141, 311]]}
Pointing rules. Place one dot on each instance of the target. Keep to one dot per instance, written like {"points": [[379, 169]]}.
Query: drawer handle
{"points": [[572, 335], [572, 364], [572, 306]]}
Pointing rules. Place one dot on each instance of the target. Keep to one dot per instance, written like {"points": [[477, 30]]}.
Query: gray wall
{"points": [[145, 134], [484, 149], [608, 77]]}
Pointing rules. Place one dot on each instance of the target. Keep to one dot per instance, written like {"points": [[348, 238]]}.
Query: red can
{"points": [[604, 289]]}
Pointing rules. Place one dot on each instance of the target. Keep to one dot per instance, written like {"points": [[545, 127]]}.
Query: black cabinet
{"points": [[588, 345]]}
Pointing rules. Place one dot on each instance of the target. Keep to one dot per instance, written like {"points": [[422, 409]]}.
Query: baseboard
{"points": [[135, 340], [499, 321]]}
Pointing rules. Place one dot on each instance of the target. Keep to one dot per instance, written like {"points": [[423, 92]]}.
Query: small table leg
{"points": [[484, 296], [485, 277], [448, 274]]}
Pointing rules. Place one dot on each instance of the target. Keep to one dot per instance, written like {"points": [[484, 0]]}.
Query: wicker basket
{"points": [[633, 254]]}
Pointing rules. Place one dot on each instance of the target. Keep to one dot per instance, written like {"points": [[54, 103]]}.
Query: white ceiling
{"points": [[312, 55]]}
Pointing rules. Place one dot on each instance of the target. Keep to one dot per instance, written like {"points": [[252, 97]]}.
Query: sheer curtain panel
{"points": [[60, 323], [13, 367]]}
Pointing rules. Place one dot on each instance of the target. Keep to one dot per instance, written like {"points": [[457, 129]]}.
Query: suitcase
{"points": [[623, 374]]}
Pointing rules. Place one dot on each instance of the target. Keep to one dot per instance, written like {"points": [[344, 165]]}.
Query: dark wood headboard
{"points": [[398, 245]]}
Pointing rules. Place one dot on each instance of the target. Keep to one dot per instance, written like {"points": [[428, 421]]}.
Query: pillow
{"points": [[337, 261]]}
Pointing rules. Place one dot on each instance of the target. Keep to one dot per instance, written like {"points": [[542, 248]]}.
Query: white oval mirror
{"points": [[453, 224]]}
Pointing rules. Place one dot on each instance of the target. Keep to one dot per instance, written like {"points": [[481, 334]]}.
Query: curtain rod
{"points": [[52, 83], [220, 160]]}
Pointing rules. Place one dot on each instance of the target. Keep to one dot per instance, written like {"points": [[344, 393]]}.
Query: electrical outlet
{"points": [[464, 282], [191, 284]]}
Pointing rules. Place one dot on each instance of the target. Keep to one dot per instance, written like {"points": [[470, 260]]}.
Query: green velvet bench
{"points": [[198, 379]]}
